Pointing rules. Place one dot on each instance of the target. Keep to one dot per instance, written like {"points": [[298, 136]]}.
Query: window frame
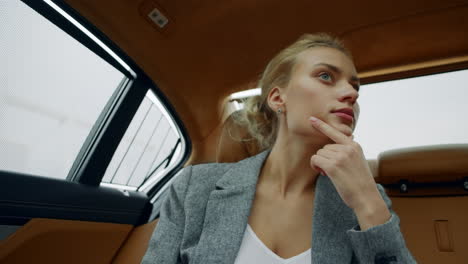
{"points": [[102, 141], [149, 181]]}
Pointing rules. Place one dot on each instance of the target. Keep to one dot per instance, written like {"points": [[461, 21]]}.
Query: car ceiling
{"points": [[212, 48]]}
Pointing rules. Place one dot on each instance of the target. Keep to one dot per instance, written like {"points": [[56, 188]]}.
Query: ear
{"points": [[276, 98]]}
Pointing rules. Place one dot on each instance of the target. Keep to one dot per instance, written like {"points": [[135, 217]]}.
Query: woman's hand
{"points": [[344, 163]]}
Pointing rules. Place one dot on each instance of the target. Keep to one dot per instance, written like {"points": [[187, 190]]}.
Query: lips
{"points": [[345, 113]]}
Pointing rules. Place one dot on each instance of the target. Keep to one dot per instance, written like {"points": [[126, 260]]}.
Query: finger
{"points": [[334, 147], [320, 163], [320, 170], [329, 131], [329, 154]]}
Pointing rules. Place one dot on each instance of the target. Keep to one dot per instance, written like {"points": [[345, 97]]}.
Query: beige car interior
{"points": [[64, 241], [210, 49]]}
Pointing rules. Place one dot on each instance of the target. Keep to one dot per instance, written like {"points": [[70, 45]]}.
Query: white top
{"points": [[253, 251]]}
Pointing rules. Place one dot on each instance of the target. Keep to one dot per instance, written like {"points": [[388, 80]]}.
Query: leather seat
{"points": [[426, 185], [235, 142]]}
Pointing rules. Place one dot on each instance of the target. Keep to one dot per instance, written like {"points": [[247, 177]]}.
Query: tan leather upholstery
{"points": [[437, 163], [429, 171], [51, 241], [136, 244], [422, 224], [235, 142], [434, 213]]}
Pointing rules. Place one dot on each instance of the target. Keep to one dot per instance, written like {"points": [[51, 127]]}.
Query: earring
{"points": [[279, 111]]}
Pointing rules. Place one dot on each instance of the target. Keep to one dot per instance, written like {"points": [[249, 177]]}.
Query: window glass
{"points": [[150, 146], [52, 91], [419, 111]]}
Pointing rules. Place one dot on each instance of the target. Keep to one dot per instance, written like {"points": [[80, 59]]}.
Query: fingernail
{"points": [[313, 119]]}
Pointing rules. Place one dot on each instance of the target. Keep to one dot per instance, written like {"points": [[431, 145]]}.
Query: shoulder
{"points": [[211, 171], [202, 178], [193, 183]]}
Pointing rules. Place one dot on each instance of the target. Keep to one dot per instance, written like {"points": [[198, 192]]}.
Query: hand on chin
{"points": [[343, 128]]}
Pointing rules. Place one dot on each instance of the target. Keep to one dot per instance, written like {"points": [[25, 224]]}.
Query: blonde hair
{"points": [[259, 119]]}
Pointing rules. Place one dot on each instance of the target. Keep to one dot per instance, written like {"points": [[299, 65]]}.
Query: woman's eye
{"points": [[325, 76]]}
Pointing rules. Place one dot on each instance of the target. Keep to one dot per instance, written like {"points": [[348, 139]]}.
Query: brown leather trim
{"points": [[137, 242], [444, 236], [433, 191], [414, 66], [63, 241], [420, 220], [437, 163], [415, 70], [235, 142]]}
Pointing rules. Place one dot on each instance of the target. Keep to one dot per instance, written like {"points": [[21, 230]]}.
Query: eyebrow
{"points": [[354, 78]]}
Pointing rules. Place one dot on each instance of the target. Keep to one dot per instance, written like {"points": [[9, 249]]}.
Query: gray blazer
{"points": [[205, 214]]}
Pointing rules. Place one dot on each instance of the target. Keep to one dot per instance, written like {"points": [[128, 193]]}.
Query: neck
{"points": [[287, 170]]}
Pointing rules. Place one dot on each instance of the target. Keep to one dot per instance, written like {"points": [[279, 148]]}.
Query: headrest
{"points": [[437, 163], [235, 142]]}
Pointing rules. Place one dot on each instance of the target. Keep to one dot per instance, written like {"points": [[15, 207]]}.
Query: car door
{"points": [[86, 139]]}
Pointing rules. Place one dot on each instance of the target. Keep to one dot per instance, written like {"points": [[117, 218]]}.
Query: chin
{"points": [[345, 129], [348, 131]]}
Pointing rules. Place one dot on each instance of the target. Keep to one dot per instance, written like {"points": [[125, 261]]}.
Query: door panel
{"points": [[63, 241], [136, 245], [46, 220], [26, 197], [420, 221]]}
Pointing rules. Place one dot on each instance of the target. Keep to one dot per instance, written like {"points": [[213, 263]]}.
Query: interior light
{"points": [[245, 94]]}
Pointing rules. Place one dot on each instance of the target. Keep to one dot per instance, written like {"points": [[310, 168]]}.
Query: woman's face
{"points": [[323, 84]]}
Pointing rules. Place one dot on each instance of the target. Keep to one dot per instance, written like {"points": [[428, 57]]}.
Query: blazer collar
{"points": [[227, 212], [228, 209], [243, 173]]}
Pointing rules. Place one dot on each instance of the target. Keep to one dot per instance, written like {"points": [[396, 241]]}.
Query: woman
{"points": [[311, 178]]}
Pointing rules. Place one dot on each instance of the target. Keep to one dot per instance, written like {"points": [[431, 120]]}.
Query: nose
{"points": [[349, 94]]}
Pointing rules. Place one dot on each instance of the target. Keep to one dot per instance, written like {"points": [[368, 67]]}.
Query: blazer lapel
{"points": [[331, 219], [228, 211]]}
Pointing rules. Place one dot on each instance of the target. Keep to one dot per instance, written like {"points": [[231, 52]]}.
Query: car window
{"points": [[150, 146], [420, 111], [53, 89]]}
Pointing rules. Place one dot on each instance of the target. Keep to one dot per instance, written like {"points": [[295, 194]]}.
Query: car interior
{"points": [[193, 55]]}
